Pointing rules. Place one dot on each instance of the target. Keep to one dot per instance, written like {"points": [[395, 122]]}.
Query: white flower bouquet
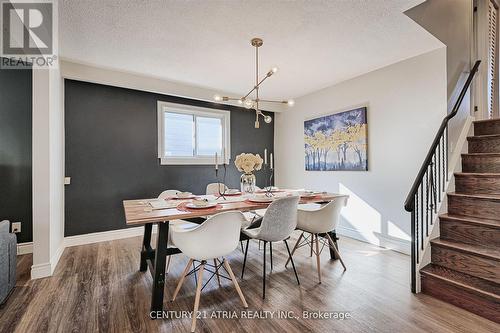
{"points": [[248, 163]]}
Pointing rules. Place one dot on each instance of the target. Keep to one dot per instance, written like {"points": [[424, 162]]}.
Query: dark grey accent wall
{"points": [[15, 149], [111, 153]]}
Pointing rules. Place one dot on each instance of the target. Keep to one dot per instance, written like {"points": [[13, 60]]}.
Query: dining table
{"points": [[147, 212]]}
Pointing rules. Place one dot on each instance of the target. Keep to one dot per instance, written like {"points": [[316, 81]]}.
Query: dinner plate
{"points": [[208, 205]]}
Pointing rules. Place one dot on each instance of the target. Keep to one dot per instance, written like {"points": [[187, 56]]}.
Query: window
{"points": [[192, 135]]}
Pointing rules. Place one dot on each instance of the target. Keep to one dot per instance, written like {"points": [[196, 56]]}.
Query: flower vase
{"points": [[248, 182]]}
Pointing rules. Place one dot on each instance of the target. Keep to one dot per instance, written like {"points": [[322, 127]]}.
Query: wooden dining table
{"points": [[147, 212]]}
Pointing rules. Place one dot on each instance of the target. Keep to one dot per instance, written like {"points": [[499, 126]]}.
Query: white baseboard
{"points": [[395, 244], [44, 270], [41, 271], [24, 248], [104, 236]]}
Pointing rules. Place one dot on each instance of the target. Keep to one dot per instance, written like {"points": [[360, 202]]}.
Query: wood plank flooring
{"points": [[98, 288]]}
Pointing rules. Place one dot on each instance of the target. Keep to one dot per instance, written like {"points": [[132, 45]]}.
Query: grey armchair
{"points": [[8, 252]]}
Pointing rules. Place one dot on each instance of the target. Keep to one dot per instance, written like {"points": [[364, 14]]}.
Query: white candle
{"points": [[216, 162], [265, 156], [271, 159]]}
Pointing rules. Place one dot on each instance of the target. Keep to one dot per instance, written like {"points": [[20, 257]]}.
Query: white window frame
{"points": [[225, 116]]}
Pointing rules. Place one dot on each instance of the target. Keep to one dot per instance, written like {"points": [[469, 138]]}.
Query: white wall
{"points": [[406, 103], [451, 21]]}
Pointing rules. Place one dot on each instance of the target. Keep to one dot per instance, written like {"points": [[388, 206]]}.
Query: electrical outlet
{"points": [[16, 227]]}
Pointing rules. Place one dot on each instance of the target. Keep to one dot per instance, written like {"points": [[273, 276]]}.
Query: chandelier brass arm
{"points": [[250, 103]]}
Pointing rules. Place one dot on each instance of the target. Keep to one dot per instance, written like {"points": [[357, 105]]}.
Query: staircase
{"points": [[465, 260]]}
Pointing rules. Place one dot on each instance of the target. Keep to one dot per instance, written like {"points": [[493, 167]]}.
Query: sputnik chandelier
{"points": [[254, 103]]}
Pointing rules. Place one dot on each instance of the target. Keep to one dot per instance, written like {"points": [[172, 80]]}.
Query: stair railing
{"points": [[429, 185]]}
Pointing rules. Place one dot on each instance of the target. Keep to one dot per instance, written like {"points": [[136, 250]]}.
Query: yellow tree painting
{"points": [[337, 141]]}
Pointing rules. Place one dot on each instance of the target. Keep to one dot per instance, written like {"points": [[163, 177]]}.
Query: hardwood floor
{"points": [[98, 288]]}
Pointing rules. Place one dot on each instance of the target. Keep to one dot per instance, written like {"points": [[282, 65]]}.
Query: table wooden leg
{"points": [[159, 268], [146, 245]]}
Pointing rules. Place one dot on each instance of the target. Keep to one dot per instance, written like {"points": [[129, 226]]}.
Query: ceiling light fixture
{"points": [[254, 103]]}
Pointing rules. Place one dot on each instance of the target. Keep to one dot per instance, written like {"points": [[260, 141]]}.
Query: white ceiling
{"points": [[207, 43]]}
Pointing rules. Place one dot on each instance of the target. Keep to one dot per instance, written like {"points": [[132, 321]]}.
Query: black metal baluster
{"points": [[429, 187], [433, 188], [415, 221], [426, 208], [421, 207], [446, 157], [439, 170], [443, 166], [414, 253]]}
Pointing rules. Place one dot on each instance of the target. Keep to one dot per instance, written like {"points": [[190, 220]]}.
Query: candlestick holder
{"points": [[269, 183], [222, 194]]}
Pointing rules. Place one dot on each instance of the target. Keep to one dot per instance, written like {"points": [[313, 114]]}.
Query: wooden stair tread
{"points": [[477, 174], [476, 196], [482, 154], [486, 121], [471, 283], [472, 220], [490, 253], [483, 137]]}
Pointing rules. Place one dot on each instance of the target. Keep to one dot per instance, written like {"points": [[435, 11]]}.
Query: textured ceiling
{"points": [[207, 43]]}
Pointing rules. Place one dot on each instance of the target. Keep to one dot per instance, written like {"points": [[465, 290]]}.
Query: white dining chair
{"points": [[319, 220], [215, 188], [215, 238], [278, 223], [179, 223]]}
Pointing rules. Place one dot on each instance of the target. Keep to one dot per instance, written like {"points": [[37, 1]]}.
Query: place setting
{"points": [[199, 205]]}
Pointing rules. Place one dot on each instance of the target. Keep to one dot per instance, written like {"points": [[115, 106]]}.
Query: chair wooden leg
{"points": [[294, 248], [199, 284], [334, 248], [318, 258], [236, 285], [181, 281], [217, 271], [168, 263]]}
